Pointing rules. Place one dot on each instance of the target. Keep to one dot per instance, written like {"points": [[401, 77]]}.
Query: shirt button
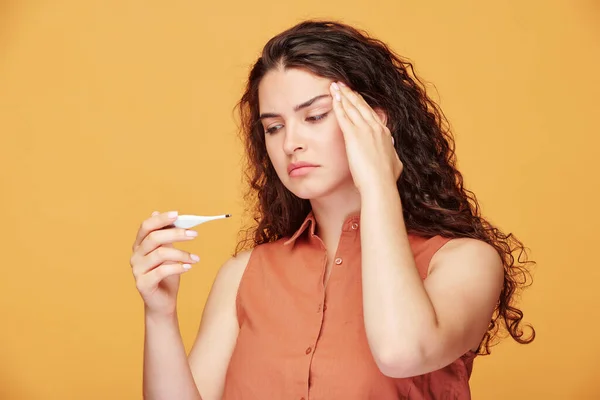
{"points": [[355, 226], [338, 260], [308, 350], [324, 307]]}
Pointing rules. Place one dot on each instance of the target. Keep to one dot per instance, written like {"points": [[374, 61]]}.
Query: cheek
{"points": [[276, 156], [340, 158], [338, 147], [335, 153]]}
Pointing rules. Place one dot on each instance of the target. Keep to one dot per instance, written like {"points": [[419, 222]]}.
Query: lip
{"points": [[300, 164]]}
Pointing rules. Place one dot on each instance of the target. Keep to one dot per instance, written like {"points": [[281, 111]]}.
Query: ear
{"points": [[381, 114]]}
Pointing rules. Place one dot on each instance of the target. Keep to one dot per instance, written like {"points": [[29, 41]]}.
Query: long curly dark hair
{"points": [[431, 189]]}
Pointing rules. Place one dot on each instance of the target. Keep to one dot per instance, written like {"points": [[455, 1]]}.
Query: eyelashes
{"points": [[314, 119], [273, 129]]}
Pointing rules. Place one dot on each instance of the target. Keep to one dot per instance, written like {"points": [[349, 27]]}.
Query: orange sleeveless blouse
{"points": [[302, 340]]}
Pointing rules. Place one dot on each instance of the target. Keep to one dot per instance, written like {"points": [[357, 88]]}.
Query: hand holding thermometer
{"points": [[157, 264], [189, 221]]}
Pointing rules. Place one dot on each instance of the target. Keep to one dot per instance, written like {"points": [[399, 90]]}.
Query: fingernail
{"points": [[186, 266], [191, 233], [172, 214], [195, 257], [155, 213], [335, 86], [343, 84]]}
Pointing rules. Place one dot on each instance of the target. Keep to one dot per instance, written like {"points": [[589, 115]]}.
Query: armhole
{"points": [[433, 247]]}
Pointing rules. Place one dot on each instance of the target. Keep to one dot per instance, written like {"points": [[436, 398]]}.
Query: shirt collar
{"points": [[351, 222], [309, 220]]}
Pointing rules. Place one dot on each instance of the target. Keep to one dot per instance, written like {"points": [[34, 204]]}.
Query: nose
{"points": [[293, 140]]}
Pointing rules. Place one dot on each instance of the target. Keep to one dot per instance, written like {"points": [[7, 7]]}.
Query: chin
{"points": [[314, 190], [307, 193]]}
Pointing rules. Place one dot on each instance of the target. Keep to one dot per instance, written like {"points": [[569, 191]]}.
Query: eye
{"points": [[273, 129], [316, 118]]}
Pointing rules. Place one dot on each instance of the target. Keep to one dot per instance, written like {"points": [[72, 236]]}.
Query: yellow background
{"points": [[110, 110]]}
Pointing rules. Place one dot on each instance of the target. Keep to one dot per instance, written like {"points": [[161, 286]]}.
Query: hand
{"points": [[157, 265], [369, 143]]}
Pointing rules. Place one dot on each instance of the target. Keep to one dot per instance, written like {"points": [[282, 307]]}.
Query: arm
{"points": [[168, 372], [218, 332], [414, 327]]}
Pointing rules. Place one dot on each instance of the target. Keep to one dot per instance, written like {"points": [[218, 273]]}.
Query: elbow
{"points": [[399, 362]]}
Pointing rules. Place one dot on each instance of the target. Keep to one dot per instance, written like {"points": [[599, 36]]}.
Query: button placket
{"points": [[346, 235]]}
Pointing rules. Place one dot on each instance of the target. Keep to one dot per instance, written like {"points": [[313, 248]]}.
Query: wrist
{"points": [[379, 190], [157, 318]]}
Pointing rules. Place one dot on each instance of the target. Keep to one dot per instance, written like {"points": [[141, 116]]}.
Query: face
{"points": [[303, 139]]}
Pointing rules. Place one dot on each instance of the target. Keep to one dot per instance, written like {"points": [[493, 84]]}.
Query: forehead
{"points": [[282, 89]]}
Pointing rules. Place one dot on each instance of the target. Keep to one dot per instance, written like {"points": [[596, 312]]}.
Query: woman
{"points": [[370, 274]]}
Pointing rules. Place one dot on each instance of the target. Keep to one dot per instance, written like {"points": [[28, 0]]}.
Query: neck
{"points": [[331, 211]]}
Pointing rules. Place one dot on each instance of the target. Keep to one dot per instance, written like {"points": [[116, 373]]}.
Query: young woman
{"points": [[370, 275]]}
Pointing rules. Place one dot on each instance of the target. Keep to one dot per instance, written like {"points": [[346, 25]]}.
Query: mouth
{"points": [[296, 169]]}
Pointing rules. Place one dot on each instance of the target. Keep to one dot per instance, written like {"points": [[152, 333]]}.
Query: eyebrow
{"points": [[297, 108]]}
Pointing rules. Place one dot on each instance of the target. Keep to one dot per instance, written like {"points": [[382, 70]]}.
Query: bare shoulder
{"points": [[469, 254], [464, 284], [232, 270]]}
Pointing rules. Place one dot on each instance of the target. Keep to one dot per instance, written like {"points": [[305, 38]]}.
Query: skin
{"points": [[356, 168]]}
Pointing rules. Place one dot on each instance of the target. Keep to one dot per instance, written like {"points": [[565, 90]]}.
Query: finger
{"points": [[374, 115], [153, 223], [343, 120], [149, 282], [375, 120], [165, 271], [362, 107], [368, 113], [163, 255], [163, 237], [352, 112]]}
